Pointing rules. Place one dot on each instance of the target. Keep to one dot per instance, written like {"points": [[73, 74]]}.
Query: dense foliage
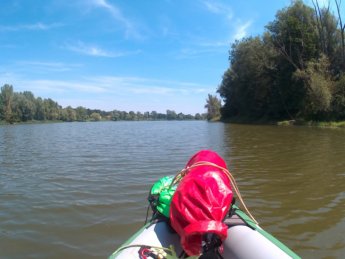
{"points": [[295, 70], [23, 106], [213, 106]]}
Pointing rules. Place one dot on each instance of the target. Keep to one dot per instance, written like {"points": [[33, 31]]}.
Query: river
{"points": [[78, 190]]}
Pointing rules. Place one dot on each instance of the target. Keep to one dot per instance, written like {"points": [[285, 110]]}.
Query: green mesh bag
{"points": [[161, 195]]}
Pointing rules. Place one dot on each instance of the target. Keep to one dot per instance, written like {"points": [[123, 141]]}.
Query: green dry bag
{"points": [[161, 194]]}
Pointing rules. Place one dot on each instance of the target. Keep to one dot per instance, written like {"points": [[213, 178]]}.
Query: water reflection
{"points": [[293, 179]]}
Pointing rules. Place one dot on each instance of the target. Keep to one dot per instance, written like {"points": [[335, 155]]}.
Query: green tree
{"points": [[198, 116], [342, 33], [6, 100], [316, 78], [213, 105], [51, 109], [146, 115], [23, 106], [329, 36], [115, 115], [338, 99], [154, 115], [40, 111], [95, 116], [81, 113], [71, 114], [294, 36], [171, 115], [247, 85]]}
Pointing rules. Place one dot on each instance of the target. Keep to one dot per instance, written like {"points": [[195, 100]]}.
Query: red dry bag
{"points": [[201, 201]]}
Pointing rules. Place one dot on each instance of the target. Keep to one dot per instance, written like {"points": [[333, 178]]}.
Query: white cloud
{"points": [[141, 85], [241, 30], [130, 28], [202, 50], [48, 66], [218, 8], [93, 50], [116, 92], [106, 85], [32, 27]]}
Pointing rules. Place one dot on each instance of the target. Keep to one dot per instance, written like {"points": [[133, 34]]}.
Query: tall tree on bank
{"points": [[329, 36], [6, 101], [213, 105], [246, 85], [291, 72], [342, 32], [294, 35]]}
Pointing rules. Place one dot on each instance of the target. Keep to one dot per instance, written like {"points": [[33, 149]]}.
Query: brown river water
{"points": [[78, 190]]}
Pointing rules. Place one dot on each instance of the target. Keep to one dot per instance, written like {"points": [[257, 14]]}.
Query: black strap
{"points": [[210, 247]]}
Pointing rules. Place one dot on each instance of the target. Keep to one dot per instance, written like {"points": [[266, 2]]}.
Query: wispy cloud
{"points": [[116, 92], [48, 66], [32, 27], [130, 28], [225, 12], [201, 50], [93, 50], [112, 85], [218, 8], [141, 85], [242, 30]]}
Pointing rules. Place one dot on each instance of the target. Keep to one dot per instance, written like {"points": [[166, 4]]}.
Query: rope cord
{"points": [[164, 249], [185, 171]]}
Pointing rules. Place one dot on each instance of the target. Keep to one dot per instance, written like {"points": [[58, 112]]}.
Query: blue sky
{"points": [[131, 55]]}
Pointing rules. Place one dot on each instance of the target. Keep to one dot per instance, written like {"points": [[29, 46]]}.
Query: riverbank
{"points": [[31, 122], [322, 124]]}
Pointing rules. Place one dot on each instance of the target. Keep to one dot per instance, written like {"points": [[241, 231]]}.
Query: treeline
{"points": [[23, 107], [295, 70]]}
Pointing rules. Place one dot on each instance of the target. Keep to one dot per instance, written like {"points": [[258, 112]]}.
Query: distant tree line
{"points": [[24, 106], [295, 70]]}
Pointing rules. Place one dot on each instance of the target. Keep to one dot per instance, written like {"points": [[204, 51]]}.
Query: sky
{"points": [[128, 55]]}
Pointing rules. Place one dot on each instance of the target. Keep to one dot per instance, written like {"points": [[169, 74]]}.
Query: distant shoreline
{"points": [[284, 123], [61, 121], [321, 124]]}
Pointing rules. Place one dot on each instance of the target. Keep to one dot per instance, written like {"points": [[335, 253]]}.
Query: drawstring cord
{"points": [[185, 171]]}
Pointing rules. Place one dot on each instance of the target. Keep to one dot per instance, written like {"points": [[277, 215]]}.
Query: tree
{"points": [[247, 85], [51, 109], [338, 99], [294, 34], [154, 115], [40, 111], [171, 115], [95, 116], [316, 77], [23, 106], [329, 35], [6, 100], [81, 113], [342, 33], [198, 116], [213, 105], [115, 115]]}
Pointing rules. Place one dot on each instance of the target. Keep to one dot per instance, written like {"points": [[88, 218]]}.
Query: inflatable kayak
{"points": [[245, 240], [195, 216]]}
